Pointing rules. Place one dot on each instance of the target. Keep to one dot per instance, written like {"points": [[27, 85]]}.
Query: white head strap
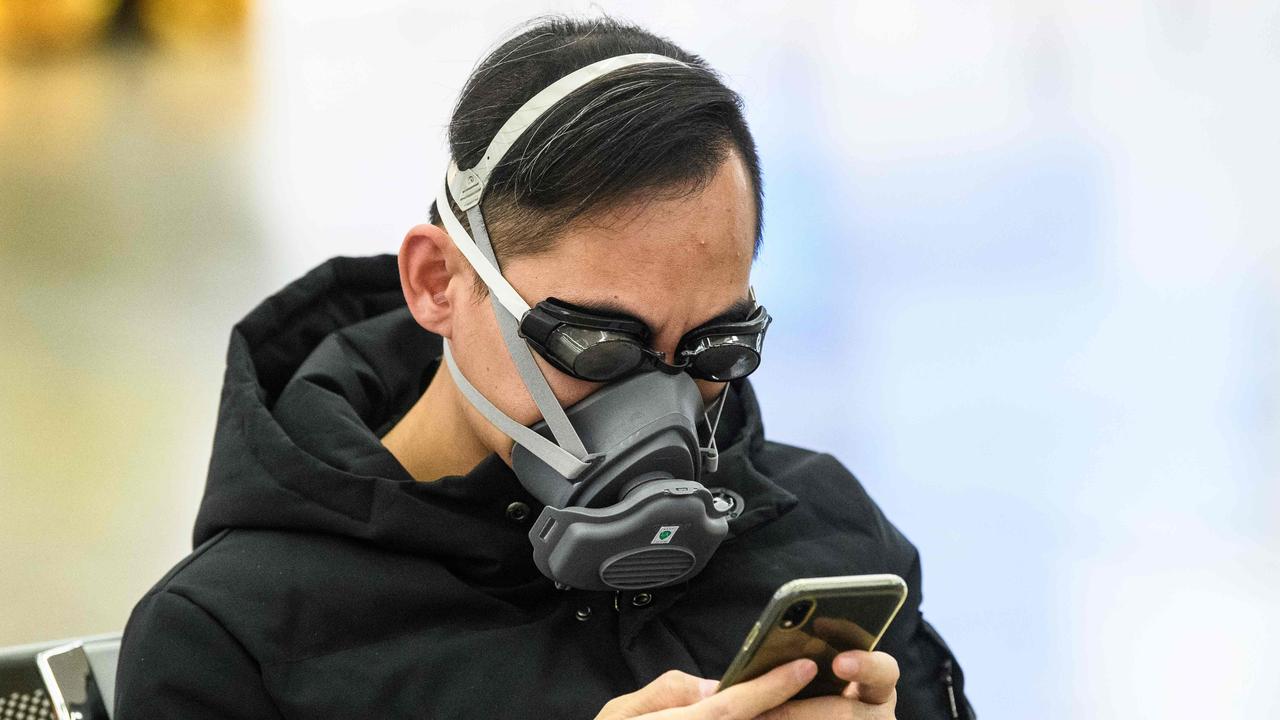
{"points": [[468, 186]]}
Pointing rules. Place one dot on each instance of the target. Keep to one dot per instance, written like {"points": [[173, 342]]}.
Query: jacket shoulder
{"points": [[287, 594], [178, 660], [830, 494]]}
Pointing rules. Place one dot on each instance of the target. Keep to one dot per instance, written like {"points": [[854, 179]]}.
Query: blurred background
{"points": [[1024, 260]]}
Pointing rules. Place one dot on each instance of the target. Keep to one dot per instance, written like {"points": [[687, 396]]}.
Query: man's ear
{"points": [[432, 275]]}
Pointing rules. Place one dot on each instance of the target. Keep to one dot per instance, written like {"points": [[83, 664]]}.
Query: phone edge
{"points": [[791, 588]]}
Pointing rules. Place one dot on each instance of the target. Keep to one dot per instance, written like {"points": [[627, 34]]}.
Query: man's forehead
{"points": [[659, 283], [683, 260]]}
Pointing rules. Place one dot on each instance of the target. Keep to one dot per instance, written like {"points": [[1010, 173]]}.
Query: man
{"points": [[364, 544]]}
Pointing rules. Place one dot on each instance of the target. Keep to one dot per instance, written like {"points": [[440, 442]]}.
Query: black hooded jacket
{"points": [[326, 583]]}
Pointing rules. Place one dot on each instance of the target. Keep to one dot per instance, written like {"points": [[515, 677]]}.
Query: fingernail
{"points": [[846, 665], [805, 669], [708, 687]]}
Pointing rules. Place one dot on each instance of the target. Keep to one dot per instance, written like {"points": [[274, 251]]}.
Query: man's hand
{"points": [[681, 696], [871, 694]]}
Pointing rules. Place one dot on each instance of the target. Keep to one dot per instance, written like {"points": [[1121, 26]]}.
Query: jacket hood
{"points": [[318, 372]]}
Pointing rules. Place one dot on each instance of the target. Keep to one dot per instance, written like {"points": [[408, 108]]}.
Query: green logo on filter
{"points": [[664, 534]]}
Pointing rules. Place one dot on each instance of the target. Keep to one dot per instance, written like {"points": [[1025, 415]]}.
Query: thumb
{"points": [[754, 697], [671, 689]]}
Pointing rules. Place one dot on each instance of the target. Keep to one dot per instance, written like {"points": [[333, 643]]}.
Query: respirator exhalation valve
{"points": [[647, 568]]}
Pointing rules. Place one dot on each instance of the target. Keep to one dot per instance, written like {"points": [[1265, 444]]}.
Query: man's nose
{"points": [[666, 343]]}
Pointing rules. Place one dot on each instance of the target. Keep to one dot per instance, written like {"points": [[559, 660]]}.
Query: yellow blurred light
{"points": [[35, 26], [188, 22]]}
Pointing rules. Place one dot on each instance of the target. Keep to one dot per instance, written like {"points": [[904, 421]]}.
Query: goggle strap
{"points": [[515, 306], [487, 270], [711, 453], [550, 453], [561, 428], [468, 186]]}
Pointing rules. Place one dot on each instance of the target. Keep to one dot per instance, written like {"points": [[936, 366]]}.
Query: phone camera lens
{"points": [[796, 614]]}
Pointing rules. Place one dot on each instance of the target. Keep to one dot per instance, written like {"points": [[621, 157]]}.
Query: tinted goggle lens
{"points": [[728, 352], [608, 361], [724, 361], [596, 355]]}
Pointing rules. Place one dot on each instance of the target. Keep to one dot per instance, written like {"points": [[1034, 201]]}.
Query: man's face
{"points": [[672, 264]]}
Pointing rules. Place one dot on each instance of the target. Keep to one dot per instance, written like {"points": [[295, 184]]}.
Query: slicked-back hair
{"points": [[644, 132]]}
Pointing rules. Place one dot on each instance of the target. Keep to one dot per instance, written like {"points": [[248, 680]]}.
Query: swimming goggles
{"points": [[590, 345]]}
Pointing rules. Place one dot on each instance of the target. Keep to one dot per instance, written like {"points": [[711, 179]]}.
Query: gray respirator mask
{"points": [[618, 472]]}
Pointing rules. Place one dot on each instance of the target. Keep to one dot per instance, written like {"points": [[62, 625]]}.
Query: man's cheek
{"points": [[568, 390], [710, 390], [579, 391]]}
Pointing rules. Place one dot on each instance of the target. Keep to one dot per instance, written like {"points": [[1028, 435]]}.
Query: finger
{"points": [[828, 707], [876, 674], [749, 699], [867, 710], [671, 689]]}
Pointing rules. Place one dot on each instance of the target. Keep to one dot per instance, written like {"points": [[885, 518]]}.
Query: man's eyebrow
{"points": [[605, 307], [737, 312]]}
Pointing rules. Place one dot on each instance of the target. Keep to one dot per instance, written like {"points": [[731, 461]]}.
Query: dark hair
{"points": [[643, 132]]}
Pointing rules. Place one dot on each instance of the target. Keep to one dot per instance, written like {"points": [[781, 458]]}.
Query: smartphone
{"points": [[818, 618], [70, 683]]}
